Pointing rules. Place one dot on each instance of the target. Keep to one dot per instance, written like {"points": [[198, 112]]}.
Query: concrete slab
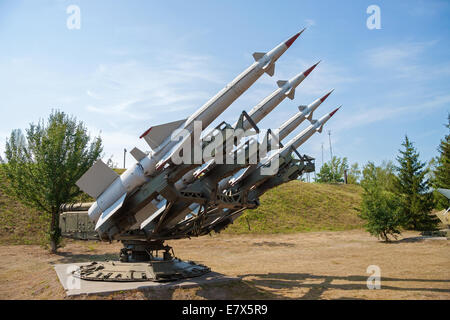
{"points": [[75, 286]]}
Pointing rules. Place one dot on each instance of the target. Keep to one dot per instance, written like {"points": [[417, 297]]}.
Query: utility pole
{"points": [[322, 154], [331, 150], [124, 154]]}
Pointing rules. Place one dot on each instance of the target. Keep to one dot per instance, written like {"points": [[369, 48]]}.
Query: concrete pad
{"points": [[75, 286]]}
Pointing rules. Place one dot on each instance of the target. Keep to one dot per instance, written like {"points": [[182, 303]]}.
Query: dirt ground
{"points": [[316, 265]]}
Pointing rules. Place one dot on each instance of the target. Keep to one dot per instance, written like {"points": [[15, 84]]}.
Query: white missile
{"points": [[257, 113], [286, 89], [264, 62], [297, 141], [305, 112], [110, 189]]}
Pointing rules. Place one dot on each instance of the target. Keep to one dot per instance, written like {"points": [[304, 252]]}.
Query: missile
{"points": [[298, 140], [180, 210], [286, 89], [250, 177], [257, 113], [305, 112], [285, 129], [264, 62], [110, 189]]}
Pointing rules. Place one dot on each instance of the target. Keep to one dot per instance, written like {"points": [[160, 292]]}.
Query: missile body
{"points": [[111, 193], [259, 175], [257, 113], [217, 174], [306, 112]]}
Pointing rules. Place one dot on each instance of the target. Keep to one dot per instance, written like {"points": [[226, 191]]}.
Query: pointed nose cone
{"points": [[291, 40], [332, 113], [307, 72], [326, 96]]}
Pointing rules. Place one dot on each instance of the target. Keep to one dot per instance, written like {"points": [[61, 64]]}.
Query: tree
{"points": [[413, 188], [333, 171], [441, 172], [380, 207], [42, 167], [354, 174]]}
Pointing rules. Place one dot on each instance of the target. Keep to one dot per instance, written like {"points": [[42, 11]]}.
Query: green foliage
{"points": [[441, 172], [43, 166], [380, 207], [412, 187], [333, 171], [354, 174]]}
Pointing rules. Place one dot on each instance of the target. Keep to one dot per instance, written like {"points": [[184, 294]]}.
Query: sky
{"points": [[134, 64]]}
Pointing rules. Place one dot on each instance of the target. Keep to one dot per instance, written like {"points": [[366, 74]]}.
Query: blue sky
{"points": [[134, 64]]}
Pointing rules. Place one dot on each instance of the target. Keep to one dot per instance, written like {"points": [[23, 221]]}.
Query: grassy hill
{"points": [[293, 207], [298, 207], [18, 223]]}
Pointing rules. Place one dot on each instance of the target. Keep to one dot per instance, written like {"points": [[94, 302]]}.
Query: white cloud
{"points": [[375, 114], [406, 60], [134, 89]]}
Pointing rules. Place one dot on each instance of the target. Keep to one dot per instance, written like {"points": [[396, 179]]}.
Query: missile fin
{"points": [[309, 117], [138, 154], [258, 55], [110, 211], [319, 130], [281, 83], [291, 94], [155, 135], [302, 108], [97, 179], [313, 121], [270, 70]]}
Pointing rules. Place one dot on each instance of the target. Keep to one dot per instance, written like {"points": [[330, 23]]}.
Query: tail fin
{"points": [[97, 179], [154, 136]]}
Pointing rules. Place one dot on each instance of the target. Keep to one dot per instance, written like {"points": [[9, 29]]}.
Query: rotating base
{"points": [[154, 270]]}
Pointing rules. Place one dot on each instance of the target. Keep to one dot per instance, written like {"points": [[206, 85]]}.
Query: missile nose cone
{"points": [[332, 113], [325, 96], [292, 39], [307, 72]]}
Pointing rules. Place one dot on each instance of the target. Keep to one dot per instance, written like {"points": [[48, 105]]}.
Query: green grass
{"points": [[301, 207], [293, 207], [20, 224]]}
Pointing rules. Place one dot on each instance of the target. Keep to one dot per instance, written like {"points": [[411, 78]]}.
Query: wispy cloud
{"points": [[406, 60], [376, 114], [134, 89]]}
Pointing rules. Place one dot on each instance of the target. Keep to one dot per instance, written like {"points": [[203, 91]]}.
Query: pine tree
{"points": [[413, 188], [442, 171]]}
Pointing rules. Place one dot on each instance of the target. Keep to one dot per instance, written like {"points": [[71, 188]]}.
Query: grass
{"points": [[18, 223], [293, 207], [301, 207]]}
